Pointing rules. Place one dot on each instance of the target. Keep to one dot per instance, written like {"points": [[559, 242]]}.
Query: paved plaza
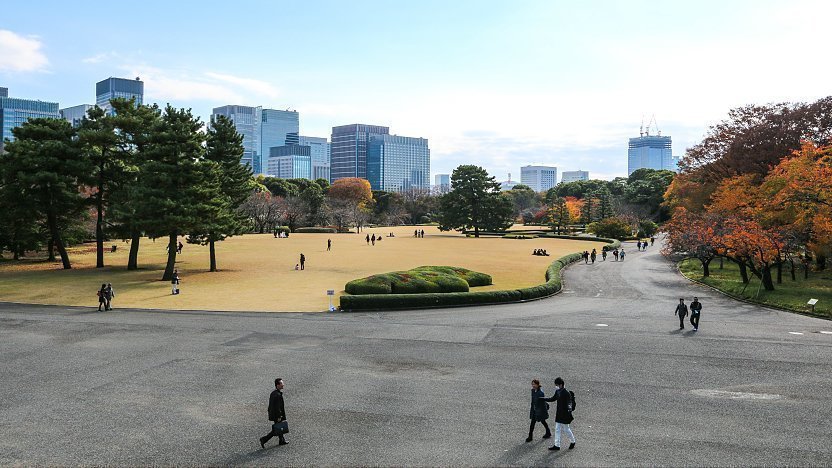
{"points": [[440, 387]]}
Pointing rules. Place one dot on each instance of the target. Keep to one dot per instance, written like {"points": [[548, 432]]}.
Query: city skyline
{"points": [[445, 86]]}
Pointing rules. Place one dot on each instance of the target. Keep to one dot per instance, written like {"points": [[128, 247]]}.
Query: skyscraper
{"points": [[652, 152], [290, 162], [348, 149], [398, 163], [247, 120], [319, 151], [574, 176], [75, 114], [442, 183], [15, 111], [112, 88], [539, 178], [277, 128]]}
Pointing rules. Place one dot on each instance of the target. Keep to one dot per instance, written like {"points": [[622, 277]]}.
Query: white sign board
{"points": [[812, 302], [331, 292]]}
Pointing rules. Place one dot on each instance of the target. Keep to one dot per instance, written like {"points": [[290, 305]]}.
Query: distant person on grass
{"points": [[373, 239], [328, 245], [277, 414], [179, 248], [302, 261], [109, 294], [174, 282], [682, 312], [539, 411], [102, 300], [368, 239], [563, 414], [695, 311]]}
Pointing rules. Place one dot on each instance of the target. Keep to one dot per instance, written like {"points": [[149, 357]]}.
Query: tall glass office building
{"points": [[247, 120], [75, 114], [398, 163], [348, 149], [319, 151], [652, 152], [277, 128], [574, 176], [112, 88], [15, 111], [290, 162]]}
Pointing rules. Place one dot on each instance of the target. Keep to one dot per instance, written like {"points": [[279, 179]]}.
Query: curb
{"points": [[748, 301]]}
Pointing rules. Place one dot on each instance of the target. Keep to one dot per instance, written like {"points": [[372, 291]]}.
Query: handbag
{"points": [[280, 428]]}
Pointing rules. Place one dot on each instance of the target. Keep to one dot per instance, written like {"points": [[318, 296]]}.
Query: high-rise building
{"points": [[319, 150], [15, 111], [398, 163], [348, 149], [574, 176], [277, 128], [75, 114], [112, 88], [442, 183], [247, 120], [290, 162], [539, 178], [652, 152]]}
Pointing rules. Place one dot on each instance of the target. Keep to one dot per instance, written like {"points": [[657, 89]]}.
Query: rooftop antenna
{"points": [[655, 124], [641, 128]]}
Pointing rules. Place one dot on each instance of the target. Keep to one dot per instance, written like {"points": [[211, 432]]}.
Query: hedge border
{"points": [[552, 286]]}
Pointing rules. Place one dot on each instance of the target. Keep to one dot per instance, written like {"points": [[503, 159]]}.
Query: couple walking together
{"points": [[539, 412]]}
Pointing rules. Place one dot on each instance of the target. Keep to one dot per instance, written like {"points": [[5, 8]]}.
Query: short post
{"points": [[330, 293], [812, 303]]}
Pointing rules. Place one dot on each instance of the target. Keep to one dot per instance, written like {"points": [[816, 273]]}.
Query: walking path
{"points": [[435, 387]]}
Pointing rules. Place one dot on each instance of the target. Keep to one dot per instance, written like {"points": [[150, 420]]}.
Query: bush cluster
{"points": [[317, 230], [425, 279]]}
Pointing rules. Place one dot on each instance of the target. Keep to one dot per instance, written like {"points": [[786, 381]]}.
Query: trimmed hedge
{"points": [[283, 229], [317, 230], [425, 279]]}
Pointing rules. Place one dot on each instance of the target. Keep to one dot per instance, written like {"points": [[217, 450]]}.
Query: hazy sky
{"points": [[500, 84]]}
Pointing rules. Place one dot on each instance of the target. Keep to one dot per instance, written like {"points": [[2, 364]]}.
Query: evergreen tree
{"points": [[49, 168], [226, 185], [474, 203], [559, 214], [20, 223]]}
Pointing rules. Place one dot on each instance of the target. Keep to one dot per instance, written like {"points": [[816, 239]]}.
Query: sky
{"points": [[500, 84]]}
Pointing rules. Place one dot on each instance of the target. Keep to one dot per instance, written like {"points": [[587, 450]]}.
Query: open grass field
{"points": [[790, 294], [257, 271]]}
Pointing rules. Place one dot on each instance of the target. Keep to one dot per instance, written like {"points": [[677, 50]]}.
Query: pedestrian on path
{"points": [[328, 245], [615, 254], [638, 245], [563, 414], [302, 261], [373, 239], [681, 311], [174, 282], [585, 256], [277, 415], [621, 255], [368, 239], [109, 294], [539, 411], [695, 310], [593, 255], [652, 239], [423, 234], [102, 299]]}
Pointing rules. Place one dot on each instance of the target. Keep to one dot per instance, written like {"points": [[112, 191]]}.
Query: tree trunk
{"points": [[721, 262], [99, 225], [50, 249], [768, 284], [743, 272], [780, 272], [52, 221], [705, 267], [174, 236], [213, 256], [821, 262], [791, 264], [133, 258]]}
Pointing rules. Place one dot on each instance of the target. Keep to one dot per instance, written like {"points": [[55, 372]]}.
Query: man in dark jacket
{"points": [[682, 312], [695, 310], [563, 414], [277, 413], [539, 411]]}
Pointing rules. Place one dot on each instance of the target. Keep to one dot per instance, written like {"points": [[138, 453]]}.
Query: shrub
{"points": [[610, 227], [317, 230], [283, 229], [647, 228], [425, 279]]}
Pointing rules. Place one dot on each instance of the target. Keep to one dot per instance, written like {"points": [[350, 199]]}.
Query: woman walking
{"points": [[539, 411], [102, 298]]}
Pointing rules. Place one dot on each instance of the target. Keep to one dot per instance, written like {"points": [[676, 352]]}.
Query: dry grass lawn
{"points": [[257, 271]]}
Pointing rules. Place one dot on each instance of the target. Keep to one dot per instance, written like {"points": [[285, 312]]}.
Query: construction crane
{"points": [[646, 132]]}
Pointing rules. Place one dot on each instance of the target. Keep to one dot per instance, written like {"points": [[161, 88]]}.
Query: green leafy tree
{"points": [[50, 169], [20, 223], [523, 199], [646, 187], [559, 214], [475, 202], [226, 186], [610, 227]]}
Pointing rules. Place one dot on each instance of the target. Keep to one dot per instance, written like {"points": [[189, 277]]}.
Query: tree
{"points": [[356, 192], [693, 235], [611, 228], [559, 216], [20, 223], [49, 167], [523, 199], [263, 209], [420, 205], [474, 202], [99, 142], [226, 186], [646, 187]]}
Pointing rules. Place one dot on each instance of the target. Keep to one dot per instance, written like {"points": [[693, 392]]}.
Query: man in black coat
{"points": [[682, 312], [277, 413], [695, 311], [563, 414]]}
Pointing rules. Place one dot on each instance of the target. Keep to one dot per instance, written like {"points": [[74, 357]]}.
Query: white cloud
{"points": [[20, 53], [258, 87], [99, 58]]}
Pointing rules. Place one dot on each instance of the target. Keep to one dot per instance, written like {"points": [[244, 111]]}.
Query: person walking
{"points": [[681, 311], [585, 256], [563, 414], [302, 261], [277, 414], [652, 239], [593, 255], [615, 254], [174, 282], [539, 411], [621, 255], [179, 248], [423, 233], [368, 239], [604, 254], [373, 239], [102, 299], [638, 245], [109, 294], [695, 310], [328, 245]]}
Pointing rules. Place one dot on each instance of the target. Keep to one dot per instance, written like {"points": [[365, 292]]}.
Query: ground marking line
{"points": [[795, 333], [601, 325]]}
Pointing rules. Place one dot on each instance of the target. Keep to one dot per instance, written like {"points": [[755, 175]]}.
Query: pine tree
{"points": [[474, 203], [559, 214]]}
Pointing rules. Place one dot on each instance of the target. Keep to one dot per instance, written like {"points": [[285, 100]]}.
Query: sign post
{"points": [[812, 303], [330, 293]]}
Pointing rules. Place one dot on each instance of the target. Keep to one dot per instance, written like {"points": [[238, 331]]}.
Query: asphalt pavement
{"points": [[436, 387]]}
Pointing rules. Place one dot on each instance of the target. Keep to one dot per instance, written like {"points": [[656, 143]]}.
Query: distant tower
{"points": [[650, 151]]}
